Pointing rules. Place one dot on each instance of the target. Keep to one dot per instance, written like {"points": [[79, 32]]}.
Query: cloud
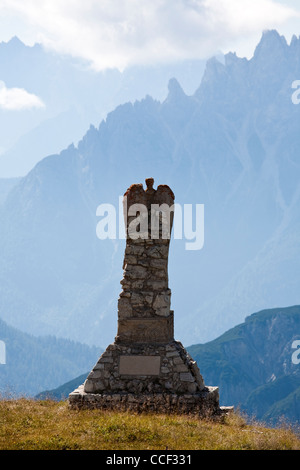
{"points": [[18, 99], [117, 33]]}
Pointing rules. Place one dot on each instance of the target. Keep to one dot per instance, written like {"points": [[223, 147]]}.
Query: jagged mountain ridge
{"points": [[232, 146], [74, 94]]}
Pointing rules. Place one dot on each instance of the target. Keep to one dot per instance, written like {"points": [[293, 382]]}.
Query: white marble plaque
{"points": [[139, 365]]}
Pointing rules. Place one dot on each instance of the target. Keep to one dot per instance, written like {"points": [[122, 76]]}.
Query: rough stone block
{"points": [[186, 377]]}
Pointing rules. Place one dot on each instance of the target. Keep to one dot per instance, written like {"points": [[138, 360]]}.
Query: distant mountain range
{"points": [[250, 363], [233, 145], [74, 96], [33, 364], [6, 184], [253, 367]]}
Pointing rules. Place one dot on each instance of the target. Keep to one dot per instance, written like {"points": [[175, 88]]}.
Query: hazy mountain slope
{"points": [[286, 410], [252, 364], [268, 190], [232, 146], [275, 400], [6, 184], [62, 392], [36, 363]]}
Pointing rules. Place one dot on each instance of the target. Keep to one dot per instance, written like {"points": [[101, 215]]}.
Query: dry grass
{"points": [[47, 425]]}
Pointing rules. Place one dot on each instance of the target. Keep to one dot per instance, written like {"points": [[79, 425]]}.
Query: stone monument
{"points": [[146, 369]]}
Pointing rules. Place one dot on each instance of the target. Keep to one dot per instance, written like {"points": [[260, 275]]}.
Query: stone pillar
{"points": [[146, 368], [144, 314]]}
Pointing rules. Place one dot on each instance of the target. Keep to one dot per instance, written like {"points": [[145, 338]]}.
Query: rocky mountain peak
{"points": [[175, 91], [271, 43]]}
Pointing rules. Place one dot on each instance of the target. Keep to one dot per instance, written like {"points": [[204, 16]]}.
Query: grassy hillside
{"points": [[49, 425]]}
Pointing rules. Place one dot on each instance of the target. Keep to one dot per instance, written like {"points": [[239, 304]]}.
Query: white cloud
{"points": [[17, 99], [116, 33]]}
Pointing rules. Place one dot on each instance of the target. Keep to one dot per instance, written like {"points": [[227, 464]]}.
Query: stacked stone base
{"points": [[158, 378], [204, 403], [145, 368]]}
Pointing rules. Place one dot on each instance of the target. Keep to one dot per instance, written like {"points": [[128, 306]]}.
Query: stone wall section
{"points": [[177, 372], [204, 404]]}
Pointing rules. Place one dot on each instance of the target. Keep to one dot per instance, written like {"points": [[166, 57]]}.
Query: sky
{"points": [[122, 33], [17, 99], [119, 33]]}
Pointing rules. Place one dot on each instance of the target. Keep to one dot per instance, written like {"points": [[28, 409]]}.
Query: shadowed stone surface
{"points": [[146, 368]]}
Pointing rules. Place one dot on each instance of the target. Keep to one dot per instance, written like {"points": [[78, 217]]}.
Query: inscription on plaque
{"points": [[139, 365], [143, 330]]}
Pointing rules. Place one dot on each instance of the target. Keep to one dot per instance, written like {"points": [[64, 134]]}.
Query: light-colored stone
{"points": [[181, 368], [124, 307], [161, 304], [186, 377], [178, 360]]}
